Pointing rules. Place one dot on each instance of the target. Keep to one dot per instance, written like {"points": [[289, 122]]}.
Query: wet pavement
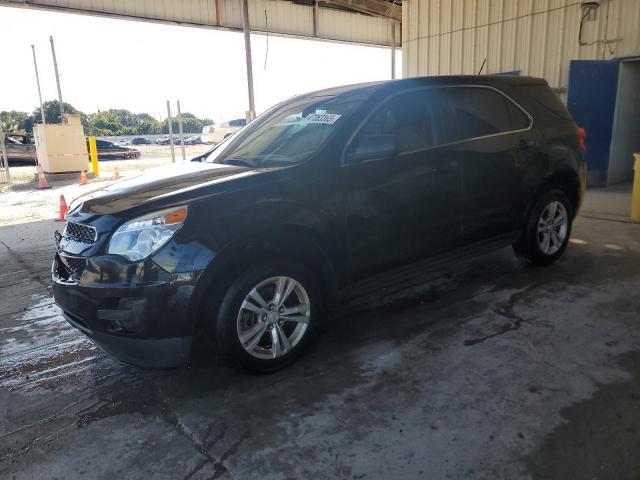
{"points": [[486, 370]]}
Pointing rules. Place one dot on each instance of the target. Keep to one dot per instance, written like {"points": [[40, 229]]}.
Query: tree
{"points": [[190, 123], [14, 121], [122, 122], [112, 122], [52, 113]]}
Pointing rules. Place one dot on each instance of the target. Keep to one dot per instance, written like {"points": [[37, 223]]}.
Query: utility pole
{"points": [[35, 64], [184, 156], [173, 153], [55, 67], [247, 49]]}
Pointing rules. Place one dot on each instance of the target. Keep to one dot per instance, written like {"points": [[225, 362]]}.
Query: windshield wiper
{"points": [[240, 162]]}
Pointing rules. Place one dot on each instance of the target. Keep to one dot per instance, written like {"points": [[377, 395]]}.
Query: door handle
{"points": [[444, 166]]}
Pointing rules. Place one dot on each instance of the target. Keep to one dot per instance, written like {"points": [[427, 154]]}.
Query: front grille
{"points": [[73, 265], [80, 233]]}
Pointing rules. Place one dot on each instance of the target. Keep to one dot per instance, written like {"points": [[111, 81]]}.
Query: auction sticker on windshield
{"points": [[326, 118]]}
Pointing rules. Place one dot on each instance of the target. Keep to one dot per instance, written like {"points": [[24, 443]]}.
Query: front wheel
{"points": [[547, 231], [268, 316]]}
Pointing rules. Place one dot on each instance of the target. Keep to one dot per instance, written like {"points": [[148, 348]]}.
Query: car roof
{"points": [[491, 80]]}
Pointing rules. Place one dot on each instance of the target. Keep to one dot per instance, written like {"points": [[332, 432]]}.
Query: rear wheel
{"points": [[268, 316], [548, 229]]}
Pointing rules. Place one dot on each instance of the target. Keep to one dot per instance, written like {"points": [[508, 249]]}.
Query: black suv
{"points": [[252, 240]]}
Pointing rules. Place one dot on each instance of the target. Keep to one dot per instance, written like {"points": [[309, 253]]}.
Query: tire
{"points": [[543, 240], [253, 317]]}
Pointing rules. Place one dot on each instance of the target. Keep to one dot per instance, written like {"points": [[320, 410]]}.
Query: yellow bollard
{"points": [[93, 152], [635, 194]]}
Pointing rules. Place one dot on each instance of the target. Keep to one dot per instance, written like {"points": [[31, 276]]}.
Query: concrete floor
{"points": [[488, 370]]}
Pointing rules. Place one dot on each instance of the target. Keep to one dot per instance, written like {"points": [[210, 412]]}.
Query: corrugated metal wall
{"points": [[536, 37], [275, 16]]}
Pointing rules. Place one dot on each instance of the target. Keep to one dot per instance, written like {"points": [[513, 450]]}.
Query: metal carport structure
{"points": [[365, 22]]}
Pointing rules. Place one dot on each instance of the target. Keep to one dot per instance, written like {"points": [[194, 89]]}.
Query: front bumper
{"points": [[141, 352], [137, 313]]}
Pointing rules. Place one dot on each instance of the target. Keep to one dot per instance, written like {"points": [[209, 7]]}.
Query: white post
{"points": [[247, 50], [55, 67], [35, 64], [173, 153], [5, 159], [184, 156]]}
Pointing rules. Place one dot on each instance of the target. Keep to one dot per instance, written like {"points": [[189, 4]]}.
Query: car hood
{"points": [[175, 180]]}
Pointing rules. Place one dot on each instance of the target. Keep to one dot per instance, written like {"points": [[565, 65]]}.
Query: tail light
{"points": [[581, 133]]}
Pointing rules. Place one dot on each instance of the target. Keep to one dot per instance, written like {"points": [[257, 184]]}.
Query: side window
{"points": [[407, 116], [518, 119], [478, 112]]}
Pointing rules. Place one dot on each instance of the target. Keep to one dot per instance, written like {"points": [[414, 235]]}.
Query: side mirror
{"points": [[371, 147]]}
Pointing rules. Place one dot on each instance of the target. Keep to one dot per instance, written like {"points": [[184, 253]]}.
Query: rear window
{"points": [[543, 96], [479, 112]]}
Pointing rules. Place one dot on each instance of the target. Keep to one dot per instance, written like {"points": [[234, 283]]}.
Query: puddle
{"points": [[41, 351]]}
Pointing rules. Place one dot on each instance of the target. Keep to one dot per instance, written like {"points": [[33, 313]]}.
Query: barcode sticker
{"points": [[326, 118]]}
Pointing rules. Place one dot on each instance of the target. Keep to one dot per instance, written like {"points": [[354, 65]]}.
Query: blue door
{"points": [[591, 99]]}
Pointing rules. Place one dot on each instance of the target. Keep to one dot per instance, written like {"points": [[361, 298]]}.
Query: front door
{"points": [[401, 205]]}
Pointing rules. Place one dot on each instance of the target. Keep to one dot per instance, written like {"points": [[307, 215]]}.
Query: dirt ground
{"points": [[152, 156], [23, 202], [164, 151]]}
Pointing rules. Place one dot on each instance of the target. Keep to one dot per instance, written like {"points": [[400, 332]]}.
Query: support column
{"points": [[315, 18], [247, 49], [218, 15], [393, 50]]}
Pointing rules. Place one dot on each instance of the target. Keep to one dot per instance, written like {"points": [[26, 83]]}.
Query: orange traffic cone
{"points": [[63, 209], [116, 174], [83, 178], [42, 180]]}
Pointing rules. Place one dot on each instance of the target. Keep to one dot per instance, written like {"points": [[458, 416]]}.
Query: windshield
{"points": [[288, 134]]}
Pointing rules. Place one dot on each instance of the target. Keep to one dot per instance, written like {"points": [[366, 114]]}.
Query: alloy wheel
{"points": [[552, 228], [273, 317]]}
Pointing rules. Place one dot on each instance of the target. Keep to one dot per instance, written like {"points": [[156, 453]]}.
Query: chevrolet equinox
{"points": [[252, 240]]}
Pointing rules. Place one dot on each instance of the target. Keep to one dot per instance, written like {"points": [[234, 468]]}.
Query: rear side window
{"points": [[408, 116], [543, 96], [478, 112]]}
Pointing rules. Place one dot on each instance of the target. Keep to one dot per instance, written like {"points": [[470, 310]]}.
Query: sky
{"points": [[138, 66]]}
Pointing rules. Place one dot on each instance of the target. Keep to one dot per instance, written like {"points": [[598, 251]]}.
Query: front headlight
{"points": [[142, 236]]}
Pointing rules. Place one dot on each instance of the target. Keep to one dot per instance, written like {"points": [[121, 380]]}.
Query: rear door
{"points": [[401, 206], [494, 143]]}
